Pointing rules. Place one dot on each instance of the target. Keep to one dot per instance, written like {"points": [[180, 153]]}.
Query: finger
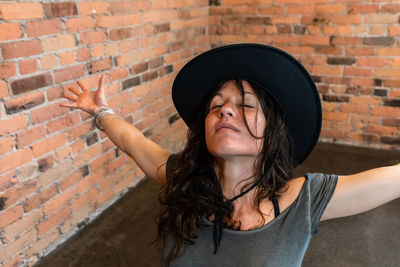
{"points": [[68, 105], [83, 87], [102, 81], [74, 90], [71, 97]]}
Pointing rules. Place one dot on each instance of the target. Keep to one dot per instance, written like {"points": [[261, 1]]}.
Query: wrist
{"points": [[97, 109], [99, 114]]}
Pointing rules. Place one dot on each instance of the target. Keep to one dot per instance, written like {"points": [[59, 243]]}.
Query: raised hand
{"points": [[85, 99]]}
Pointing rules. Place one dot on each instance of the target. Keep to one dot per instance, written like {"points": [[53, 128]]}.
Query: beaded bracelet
{"points": [[99, 115]]}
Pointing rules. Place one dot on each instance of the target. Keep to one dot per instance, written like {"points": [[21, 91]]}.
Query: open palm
{"points": [[85, 99]]}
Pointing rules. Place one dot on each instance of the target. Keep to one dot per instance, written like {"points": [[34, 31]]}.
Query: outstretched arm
{"points": [[147, 154], [363, 191]]}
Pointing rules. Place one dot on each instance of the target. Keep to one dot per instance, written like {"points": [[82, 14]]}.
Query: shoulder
{"points": [[291, 191]]}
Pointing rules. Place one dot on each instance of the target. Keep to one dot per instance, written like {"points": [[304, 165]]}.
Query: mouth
{"points": [[225, 125]]}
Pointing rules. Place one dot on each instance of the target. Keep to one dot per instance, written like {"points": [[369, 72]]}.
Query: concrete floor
{"points": [[122, 235]]}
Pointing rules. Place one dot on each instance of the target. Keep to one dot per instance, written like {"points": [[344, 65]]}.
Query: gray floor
{"points": [[121, 236]]}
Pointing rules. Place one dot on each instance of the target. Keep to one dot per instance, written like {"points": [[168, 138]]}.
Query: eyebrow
{"points": [[245, 92]]}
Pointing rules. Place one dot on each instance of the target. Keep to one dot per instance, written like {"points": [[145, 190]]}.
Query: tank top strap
{"points": [[276, 205]]}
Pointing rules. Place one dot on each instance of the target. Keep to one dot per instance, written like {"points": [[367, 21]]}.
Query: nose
{"points": [[226, 110]]}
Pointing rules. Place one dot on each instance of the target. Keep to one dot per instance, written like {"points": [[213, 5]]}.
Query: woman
{"points": [[254, 113]]}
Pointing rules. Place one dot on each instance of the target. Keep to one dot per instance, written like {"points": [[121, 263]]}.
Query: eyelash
{"points": [[217, 106]]}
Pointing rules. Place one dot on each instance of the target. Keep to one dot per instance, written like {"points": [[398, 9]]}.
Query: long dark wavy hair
{"points": [[192, 192]]}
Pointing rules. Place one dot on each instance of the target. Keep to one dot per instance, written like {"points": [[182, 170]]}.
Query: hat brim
{"points": [[285, 79]]}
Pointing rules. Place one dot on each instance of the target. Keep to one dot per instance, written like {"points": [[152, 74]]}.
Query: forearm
{"points": [[117, 129], [149, 156]]}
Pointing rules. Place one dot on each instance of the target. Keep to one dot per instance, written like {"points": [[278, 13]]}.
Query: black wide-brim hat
{"points": [[283, 76]]}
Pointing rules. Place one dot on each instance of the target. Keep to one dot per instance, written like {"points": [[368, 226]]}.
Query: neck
{"points": [[233, 174]]}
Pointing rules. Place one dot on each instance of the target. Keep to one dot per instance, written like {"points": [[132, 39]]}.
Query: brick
{"points": [[89, 181], [31, 83], [69, 73], [352, 108], [3, 89], [60, 9], [387, 73], [79, 131], [42, 244], [339, 40], [148, 76], [48, 62], [335, 98], [120, 34], [166, 70], [156, 62], [131, 82], [380, 19], [10, 31], [386, 111], [40, 198], [70, 180], [47, 112], [380, 92], [354, 71], [335, 116], [390, 8], [97, 51], [45, 163], [347, 19], [99, 65], [388, 51], [372, 62], [27, 66], [329, 9], [79, 24], [22, 225], [54, 220], [49, 144], [85, 198], [19, 11], [360, 51], [16, 261], [108, 21], [59, 42], [62, 153], [162, 27], [29, 136], [117, 74], [60, 201], [43, 27], [315, 40], [6, 145], [375, 41], [328, 50], [92, 37], [102, 160], [88, 155], [381, 130], [9, 216], [18, 245], [131, 19], [63, 123], [392, 102], [138, 68], [24, 102], [21, 49], [341, 60], [120, 7], [95, 7], [364, 8], [67, 58], [7, 70], [12, 125], [19, 191]]}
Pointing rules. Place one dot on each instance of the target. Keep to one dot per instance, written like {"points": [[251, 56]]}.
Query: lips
{"points": [[225, 125]]}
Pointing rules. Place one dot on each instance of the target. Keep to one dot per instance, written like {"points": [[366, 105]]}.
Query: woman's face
{"points": [[225, 130]]}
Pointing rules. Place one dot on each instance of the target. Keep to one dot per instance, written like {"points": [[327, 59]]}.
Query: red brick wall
{"points": [[56, 169], [350, 47]]}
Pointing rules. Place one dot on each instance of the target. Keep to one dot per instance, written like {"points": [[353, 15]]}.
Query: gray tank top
{"points": [[281, 242]]}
